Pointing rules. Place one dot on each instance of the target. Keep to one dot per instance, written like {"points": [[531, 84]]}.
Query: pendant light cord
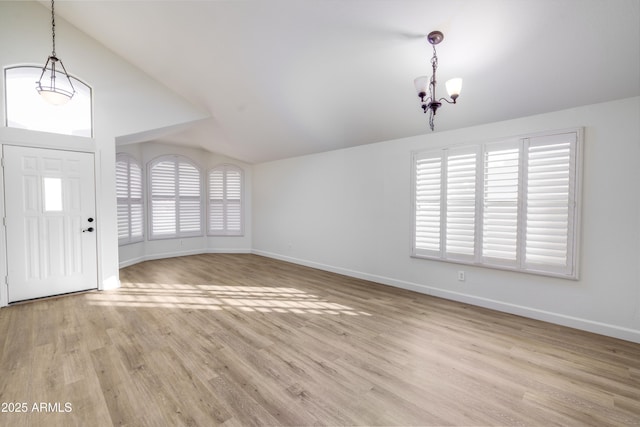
{"points": [[53, 30]]}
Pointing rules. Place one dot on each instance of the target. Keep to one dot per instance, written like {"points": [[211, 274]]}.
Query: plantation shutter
{"points": [[225, 201], [216, 201], [550, 202], [163, 199], [189, 207], [234, 201], [136, 210], [129, 197], [428, 194], [122, 193], [500, 203], [461, 203]]}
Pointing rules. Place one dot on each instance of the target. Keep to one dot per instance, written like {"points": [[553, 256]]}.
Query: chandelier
{"points": [[53, 91], [426, 86]]}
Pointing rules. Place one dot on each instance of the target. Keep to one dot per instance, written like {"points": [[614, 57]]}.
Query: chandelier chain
{"points": [[53, 30], [432, 80], [434, 58], [432, 88]]}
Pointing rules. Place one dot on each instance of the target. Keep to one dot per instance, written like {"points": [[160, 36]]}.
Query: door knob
{"points": [[90, 220], [90, 230]]}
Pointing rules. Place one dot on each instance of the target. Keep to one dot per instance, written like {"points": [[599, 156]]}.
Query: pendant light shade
{"points": [[421, 84], [453, 87]]}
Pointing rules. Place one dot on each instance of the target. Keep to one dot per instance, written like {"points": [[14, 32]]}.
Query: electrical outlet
{"points": [[461, 276]]}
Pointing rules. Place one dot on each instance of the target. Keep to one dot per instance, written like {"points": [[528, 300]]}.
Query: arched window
{"points": [[226, 211], [176, 198], [27, 110], [130, 201]]}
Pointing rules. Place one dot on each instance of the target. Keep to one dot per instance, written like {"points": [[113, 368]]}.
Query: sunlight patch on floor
{"points": [[220, 297]]}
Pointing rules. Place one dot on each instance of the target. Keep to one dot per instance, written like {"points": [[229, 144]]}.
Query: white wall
{"points": [[349, 211], [125, 101], [154, 249]]}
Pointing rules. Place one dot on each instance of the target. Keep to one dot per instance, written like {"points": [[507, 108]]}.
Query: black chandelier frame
{"points": [[429, 102], [47, 84]]}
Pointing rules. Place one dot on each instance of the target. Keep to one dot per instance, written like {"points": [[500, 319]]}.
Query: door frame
{"points": [[50, 141]]}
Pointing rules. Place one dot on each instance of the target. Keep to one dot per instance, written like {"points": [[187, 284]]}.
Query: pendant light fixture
{"points": [[55, 84], [425, 85]]}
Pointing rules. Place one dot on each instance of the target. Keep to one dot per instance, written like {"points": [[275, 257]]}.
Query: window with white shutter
{"points": [[130, 203], [225, 201], [500, 206], [511, 204], [550, 202], [460, 203], [175, 198], [428, 190]]}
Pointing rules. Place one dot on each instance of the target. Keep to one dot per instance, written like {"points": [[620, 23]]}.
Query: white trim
{"points": [[37, 139], [614, 331], [577, 211], [164, 255], [109, 284], [97, 187], [4, 289]]}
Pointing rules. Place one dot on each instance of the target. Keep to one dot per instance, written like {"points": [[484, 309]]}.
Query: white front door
{"points": [[50, 222]]}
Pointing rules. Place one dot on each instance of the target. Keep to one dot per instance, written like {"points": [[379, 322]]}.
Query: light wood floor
{"points": [[245, 340]]}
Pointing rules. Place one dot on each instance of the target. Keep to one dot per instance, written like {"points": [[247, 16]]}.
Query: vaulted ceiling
{"points": [[283, 78]]}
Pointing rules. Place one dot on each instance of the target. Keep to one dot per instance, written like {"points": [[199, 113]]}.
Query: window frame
{"points": [[435, 161], [177, 198], [80, 86], [129, 201], [225, 168]]}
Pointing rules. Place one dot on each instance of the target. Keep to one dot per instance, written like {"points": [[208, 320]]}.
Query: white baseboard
{"points": [[151, 257], [109, 284], [532, 313]]}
